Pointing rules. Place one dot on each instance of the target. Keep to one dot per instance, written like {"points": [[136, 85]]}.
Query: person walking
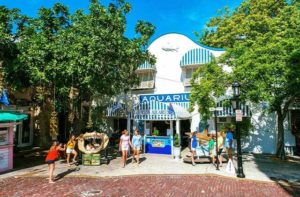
{"points": [[51, 157], [212, 148], [229, 148], [229, 142], [124, 146], [71, 149], [220, 148], [137, 145], [193, 146]]}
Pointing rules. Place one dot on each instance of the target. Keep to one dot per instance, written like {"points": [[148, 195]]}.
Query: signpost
{"points": [[238, 115]]}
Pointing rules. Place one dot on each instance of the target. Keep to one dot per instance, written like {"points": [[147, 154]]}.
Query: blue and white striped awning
{"points": [[146, 66], [152, 110], [155, 110], [196, 56]]}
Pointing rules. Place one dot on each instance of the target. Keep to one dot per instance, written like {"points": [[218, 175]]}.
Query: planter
{"points": [[177, 151]]}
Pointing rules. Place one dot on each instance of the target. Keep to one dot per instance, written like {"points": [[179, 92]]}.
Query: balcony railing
{"points": [[145, 85], [146, 67]]}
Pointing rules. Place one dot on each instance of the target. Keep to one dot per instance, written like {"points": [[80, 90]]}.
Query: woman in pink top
{"points": [[124, 146]]}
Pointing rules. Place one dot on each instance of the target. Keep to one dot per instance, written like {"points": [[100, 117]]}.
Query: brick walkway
{"points": [[164, 185]]}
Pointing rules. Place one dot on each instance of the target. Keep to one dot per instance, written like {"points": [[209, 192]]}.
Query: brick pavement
{"points": [[147, 185]]}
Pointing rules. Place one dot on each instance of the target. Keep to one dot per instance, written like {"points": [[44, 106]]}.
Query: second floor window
{"points": [[146, 80], [188, 76]]}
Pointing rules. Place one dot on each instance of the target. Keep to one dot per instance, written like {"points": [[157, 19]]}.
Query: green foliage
{"points": [[209, 82], [176, 141], [7, 46], [262, 39], [88, 51], [245, 126]]}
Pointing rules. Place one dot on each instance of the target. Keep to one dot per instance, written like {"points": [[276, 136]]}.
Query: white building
{"points": [[162, 98]]}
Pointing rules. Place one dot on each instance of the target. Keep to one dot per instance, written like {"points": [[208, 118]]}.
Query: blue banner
{"points": [[182, 97]]}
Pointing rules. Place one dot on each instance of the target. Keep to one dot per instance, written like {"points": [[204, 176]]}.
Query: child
{"points": [[137, 144], [193, 146], [52, 157], [124, 145], [71, 149]]}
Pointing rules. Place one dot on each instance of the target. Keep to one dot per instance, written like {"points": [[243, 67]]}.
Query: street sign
{"points": [[238, 115]]}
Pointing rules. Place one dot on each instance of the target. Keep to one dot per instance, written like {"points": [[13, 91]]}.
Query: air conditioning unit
{"points": [[224, 120]]}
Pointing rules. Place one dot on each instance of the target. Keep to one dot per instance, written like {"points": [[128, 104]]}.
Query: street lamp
{"points": [[236, 107], [216, 110]]}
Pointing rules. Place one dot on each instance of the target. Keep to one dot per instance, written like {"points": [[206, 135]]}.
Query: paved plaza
{"points": [[143, 185], [157, 175]]}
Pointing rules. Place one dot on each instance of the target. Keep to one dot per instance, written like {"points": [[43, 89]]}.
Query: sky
{"points": [[168, 16]]}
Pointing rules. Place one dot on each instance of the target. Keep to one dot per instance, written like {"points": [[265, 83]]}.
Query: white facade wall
{"points": [[169, 50]]}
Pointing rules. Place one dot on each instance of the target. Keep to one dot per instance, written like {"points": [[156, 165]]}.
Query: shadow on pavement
{"points": [[142, 159], [29, 160], [65, 173], [286, 173]]}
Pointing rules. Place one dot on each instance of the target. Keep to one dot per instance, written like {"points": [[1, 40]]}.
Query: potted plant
{"points": [[177, 148]]}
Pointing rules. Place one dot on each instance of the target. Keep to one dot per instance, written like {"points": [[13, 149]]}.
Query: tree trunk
{"points": [[43, 138], [280, 153]]}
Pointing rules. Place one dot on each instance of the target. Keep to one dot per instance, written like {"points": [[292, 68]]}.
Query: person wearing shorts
{"points": [[212, 148], [193, 146], [52, 157], [124, 145], [137, 144], [220, 148], [229, 142], [71, 149]]}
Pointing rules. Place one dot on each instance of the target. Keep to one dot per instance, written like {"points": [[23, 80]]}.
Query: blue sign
{"points": [[158, 145], [183, 97]]}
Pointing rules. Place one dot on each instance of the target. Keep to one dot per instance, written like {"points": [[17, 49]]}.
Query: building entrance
{"points": [[120, 125], [185, 126], [162, 126]]}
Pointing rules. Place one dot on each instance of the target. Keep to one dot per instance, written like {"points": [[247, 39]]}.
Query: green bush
{"points": [[176, 141]]}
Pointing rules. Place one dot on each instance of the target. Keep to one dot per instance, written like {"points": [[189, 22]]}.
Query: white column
{"points": [[178, 127], [172, 133], [128, 128], [171, 127]]}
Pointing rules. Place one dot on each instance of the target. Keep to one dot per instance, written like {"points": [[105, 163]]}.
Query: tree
{"points": [[59, 52], [8, 51], [104, 59], [208, 84], [261, 38]]}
